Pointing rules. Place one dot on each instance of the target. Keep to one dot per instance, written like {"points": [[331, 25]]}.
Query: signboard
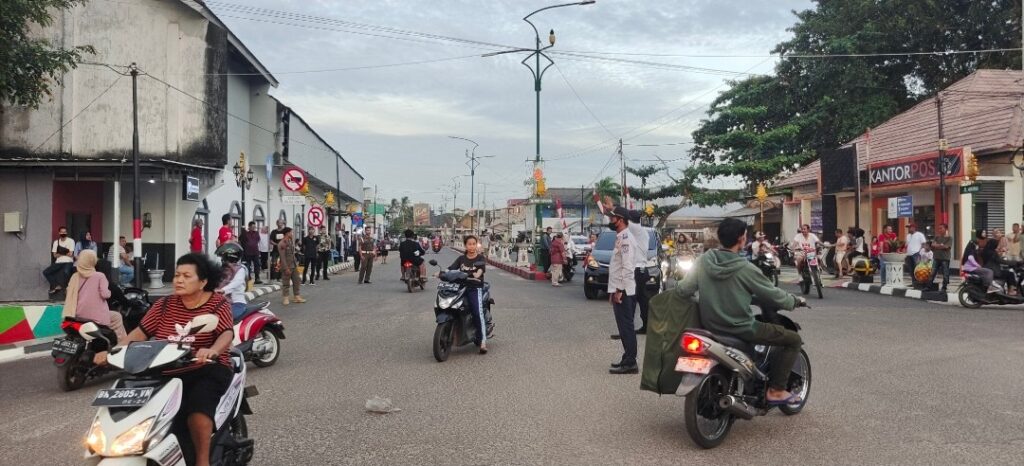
{"points": [[902, 206], [190, 188], [293, 179], [923, 167], [357, 220], [315, 216], [970, 189], [421, 214], [293, 200]]}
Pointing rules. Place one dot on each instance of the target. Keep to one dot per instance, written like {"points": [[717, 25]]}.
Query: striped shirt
{"points": [[159, 323]]}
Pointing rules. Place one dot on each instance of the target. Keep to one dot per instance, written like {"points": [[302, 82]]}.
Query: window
{"points": [[236, 218]]}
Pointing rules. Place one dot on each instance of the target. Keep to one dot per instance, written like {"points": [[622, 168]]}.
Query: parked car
{"points": [[595, 274], [581, 242]]}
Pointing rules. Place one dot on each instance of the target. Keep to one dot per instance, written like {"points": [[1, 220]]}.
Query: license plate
{"points": [[122, 397], [66, 346], [694, 365]]}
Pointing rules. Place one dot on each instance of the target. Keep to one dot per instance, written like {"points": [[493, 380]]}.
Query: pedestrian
{"points": [[368, 250], [842, 244], [289, 266], [1015, 242], [915, 239], [88, 292], [324, 250], [557, 259], [545, 249], [1002, 242], [265, 248], [640, 274], [622, 289], [353, 249], [339, 241], [195, 239], [251, 252], [942, 244], [85, 242], [61, 255], [226, 232], [275, 256], [310, 242], [383, 247]]}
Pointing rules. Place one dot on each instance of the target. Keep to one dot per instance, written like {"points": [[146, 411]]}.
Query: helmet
{"points": [[230, 252]]}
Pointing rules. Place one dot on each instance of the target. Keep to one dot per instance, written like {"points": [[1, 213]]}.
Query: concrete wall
{"points": [[29, 193], [307, 151], [176, 45]]}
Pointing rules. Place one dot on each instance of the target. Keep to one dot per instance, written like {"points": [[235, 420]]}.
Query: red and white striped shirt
{"points": [[159, 323]]}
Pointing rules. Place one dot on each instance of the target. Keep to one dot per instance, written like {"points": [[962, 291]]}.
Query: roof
{"points": [[699, 213], [984, 110], [200, 6], [69, 161]]}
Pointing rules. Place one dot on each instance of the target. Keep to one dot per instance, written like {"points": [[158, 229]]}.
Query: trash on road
{"points": [[381, 405]]}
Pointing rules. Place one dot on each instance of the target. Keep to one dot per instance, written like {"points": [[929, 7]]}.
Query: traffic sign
{"points": [[970, 189], [293, 200], [293, 179], [315, 216]]}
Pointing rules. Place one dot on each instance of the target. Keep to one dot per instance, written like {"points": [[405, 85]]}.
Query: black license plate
{"points": [[66, 346], [123, 397]]}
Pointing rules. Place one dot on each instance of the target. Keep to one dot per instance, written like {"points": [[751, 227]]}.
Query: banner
{"points": [[421, 214]]}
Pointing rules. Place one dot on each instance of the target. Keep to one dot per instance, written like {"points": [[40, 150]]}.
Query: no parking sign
{"points": [[315, 216]]}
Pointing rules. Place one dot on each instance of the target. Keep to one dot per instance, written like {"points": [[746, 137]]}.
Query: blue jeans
{"points": [[127, 274], [237, 309]]}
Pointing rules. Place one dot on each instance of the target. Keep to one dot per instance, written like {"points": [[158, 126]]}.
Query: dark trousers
{"points": [[940, 264], [356, 260], [787, 341], [624, 314], [58, 274], [476, 308], [253, 264], [325, 261], [310, 264], [641, 276], [264, 260], [366, 267], [545, 259]]}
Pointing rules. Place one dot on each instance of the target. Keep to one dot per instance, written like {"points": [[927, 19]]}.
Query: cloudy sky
{"points": [[624, 69]]}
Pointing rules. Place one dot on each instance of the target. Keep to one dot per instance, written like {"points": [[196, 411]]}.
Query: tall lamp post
{"points": [[243, 179], [538, 73]]}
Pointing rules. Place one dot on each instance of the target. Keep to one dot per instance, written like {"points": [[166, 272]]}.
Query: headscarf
{"points": [[86, 267]]}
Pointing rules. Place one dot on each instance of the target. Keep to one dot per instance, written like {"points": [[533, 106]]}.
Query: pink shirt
{"points": [[92, 299]]}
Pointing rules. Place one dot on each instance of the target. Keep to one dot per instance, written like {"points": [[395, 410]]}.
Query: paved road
{"points": [[896, 382]]}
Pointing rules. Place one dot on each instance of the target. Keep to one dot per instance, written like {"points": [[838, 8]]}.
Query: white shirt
{"points": [[264, 242], [640, 240], [66, 243], [801, 241], [236, 287], [914, 242], [756, 247], [623, 263]]}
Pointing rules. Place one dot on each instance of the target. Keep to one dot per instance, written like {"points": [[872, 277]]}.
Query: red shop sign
{"points": [[923, 167]]}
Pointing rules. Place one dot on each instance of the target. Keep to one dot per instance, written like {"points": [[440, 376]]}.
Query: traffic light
{"points": [[971, 169]]}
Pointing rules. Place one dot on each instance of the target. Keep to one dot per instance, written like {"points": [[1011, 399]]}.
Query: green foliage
{"points": [[764, 126], [608, 187], [30, 66]]}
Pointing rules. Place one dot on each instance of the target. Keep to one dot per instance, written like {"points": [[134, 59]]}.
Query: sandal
{"points": [[793, 399]]}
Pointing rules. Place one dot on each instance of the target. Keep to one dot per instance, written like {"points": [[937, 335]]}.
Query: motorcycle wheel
{"points": [[799, 383], [805, 284], [817, 283], [590, 292], [270, 358], [240, 431], [965, 298], [70, 377], [408, 284], [706, 422], [443, 341]]}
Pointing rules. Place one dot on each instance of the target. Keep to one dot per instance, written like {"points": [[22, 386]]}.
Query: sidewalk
{"points": [[522, 272], [789, 275]]}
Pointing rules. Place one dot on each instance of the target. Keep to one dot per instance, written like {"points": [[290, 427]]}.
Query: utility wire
{"points": [[573, 89], [353, 68], [801, 55], [101, 94]]}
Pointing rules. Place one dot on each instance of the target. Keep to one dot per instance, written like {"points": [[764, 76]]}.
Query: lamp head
{"points": [[551, 37]]}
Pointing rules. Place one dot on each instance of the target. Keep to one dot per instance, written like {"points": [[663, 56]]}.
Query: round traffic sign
{"points": [[315, 216], [293, 179]]}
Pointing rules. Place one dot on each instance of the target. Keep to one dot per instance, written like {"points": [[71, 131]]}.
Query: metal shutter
{"points": [[992, 193]]}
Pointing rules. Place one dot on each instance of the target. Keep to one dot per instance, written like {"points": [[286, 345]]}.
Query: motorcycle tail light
{"points": [[694, 345], [407, 264]]}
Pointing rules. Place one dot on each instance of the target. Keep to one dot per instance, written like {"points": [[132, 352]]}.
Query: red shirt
{"points": [[225, 234], [196, 241], [159, 323], [884, 238]]}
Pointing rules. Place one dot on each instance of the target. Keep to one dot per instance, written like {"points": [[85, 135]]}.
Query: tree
{"points": [[29, 66], [608, 187], [762, 126]]}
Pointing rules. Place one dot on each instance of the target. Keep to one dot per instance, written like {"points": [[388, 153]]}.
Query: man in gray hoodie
{"points": [[728, 284]]}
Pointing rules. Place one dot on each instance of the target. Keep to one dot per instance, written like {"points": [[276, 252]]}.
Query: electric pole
{"points": [[622, 173], [136, 202]]}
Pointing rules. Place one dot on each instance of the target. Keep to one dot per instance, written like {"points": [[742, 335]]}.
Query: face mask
{"points": [[63, 235], [613, 225]]}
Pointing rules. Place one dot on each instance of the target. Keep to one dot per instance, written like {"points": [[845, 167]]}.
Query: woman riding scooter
{"points": [[235, 277]]}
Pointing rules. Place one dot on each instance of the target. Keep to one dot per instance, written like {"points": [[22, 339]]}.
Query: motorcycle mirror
{"points": [[433, 262], [204, 323]]}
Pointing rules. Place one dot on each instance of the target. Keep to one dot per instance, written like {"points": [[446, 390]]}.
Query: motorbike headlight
{"points": [[133, 441], [592, 263], [768, 255], [686, 264], [95, 440]]}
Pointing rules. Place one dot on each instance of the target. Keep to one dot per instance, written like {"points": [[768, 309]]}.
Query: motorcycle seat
{"points": [[250, 309], [727, 340]]}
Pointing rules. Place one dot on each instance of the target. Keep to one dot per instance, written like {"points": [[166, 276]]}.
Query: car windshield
{"points": [[607, 241]]}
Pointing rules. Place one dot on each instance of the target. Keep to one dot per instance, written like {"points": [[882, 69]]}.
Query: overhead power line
{"points": [[801, 55]]}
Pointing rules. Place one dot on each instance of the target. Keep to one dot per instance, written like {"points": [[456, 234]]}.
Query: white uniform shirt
{"points": [[66, 243], [914, 242], [640, 240], [623, 263]]}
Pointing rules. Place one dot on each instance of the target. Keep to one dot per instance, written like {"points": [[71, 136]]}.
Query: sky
{"points": [[394, 123]]}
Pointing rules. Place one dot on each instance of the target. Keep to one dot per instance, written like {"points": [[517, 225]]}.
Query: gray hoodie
{"points": [[728, 283]]}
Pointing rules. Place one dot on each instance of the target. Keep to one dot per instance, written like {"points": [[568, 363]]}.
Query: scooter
{"points": [[454, 319], [134, 423], [767, 262], [436, 247], [411, 276], [258, 334], [73, 354], [724, 378], [973, 292]]}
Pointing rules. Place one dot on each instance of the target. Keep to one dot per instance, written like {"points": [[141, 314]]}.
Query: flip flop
{"points": [[793, 399]]}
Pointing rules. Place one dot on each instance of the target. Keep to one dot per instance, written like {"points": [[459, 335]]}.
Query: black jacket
{"points": [[408, 249], [309, 246]]}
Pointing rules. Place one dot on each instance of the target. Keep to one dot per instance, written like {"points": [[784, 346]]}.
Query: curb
{"points": [[512, 269], [936, 296], [21, 349]]}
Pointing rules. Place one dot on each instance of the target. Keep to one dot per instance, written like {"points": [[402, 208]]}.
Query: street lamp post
{"points": [[243, 179]]}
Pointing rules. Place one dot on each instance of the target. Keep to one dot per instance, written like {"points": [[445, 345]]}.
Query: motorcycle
{"points": [[454, 318], [133, 424], [73, 353], [677, 266], [766, 261], [569, 268], [436, 247], [973, 292], [411, 276], [724, 378], [258, 334], [810, 273]]}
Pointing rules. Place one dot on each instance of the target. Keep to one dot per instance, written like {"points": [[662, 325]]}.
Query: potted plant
{"points": [[896, 251]]}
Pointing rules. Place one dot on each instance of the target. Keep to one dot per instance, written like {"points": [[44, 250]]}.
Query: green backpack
{"points": [[669, 315]]}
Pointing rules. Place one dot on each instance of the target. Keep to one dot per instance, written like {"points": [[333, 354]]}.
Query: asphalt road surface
{"points": [[896, 381]]}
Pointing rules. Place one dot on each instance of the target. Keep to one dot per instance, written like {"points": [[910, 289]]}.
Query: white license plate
{"points": [[694, 365], [123, 397]]}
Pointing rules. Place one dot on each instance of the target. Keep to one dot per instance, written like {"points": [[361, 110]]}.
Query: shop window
{"points": [[924, 217]]}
